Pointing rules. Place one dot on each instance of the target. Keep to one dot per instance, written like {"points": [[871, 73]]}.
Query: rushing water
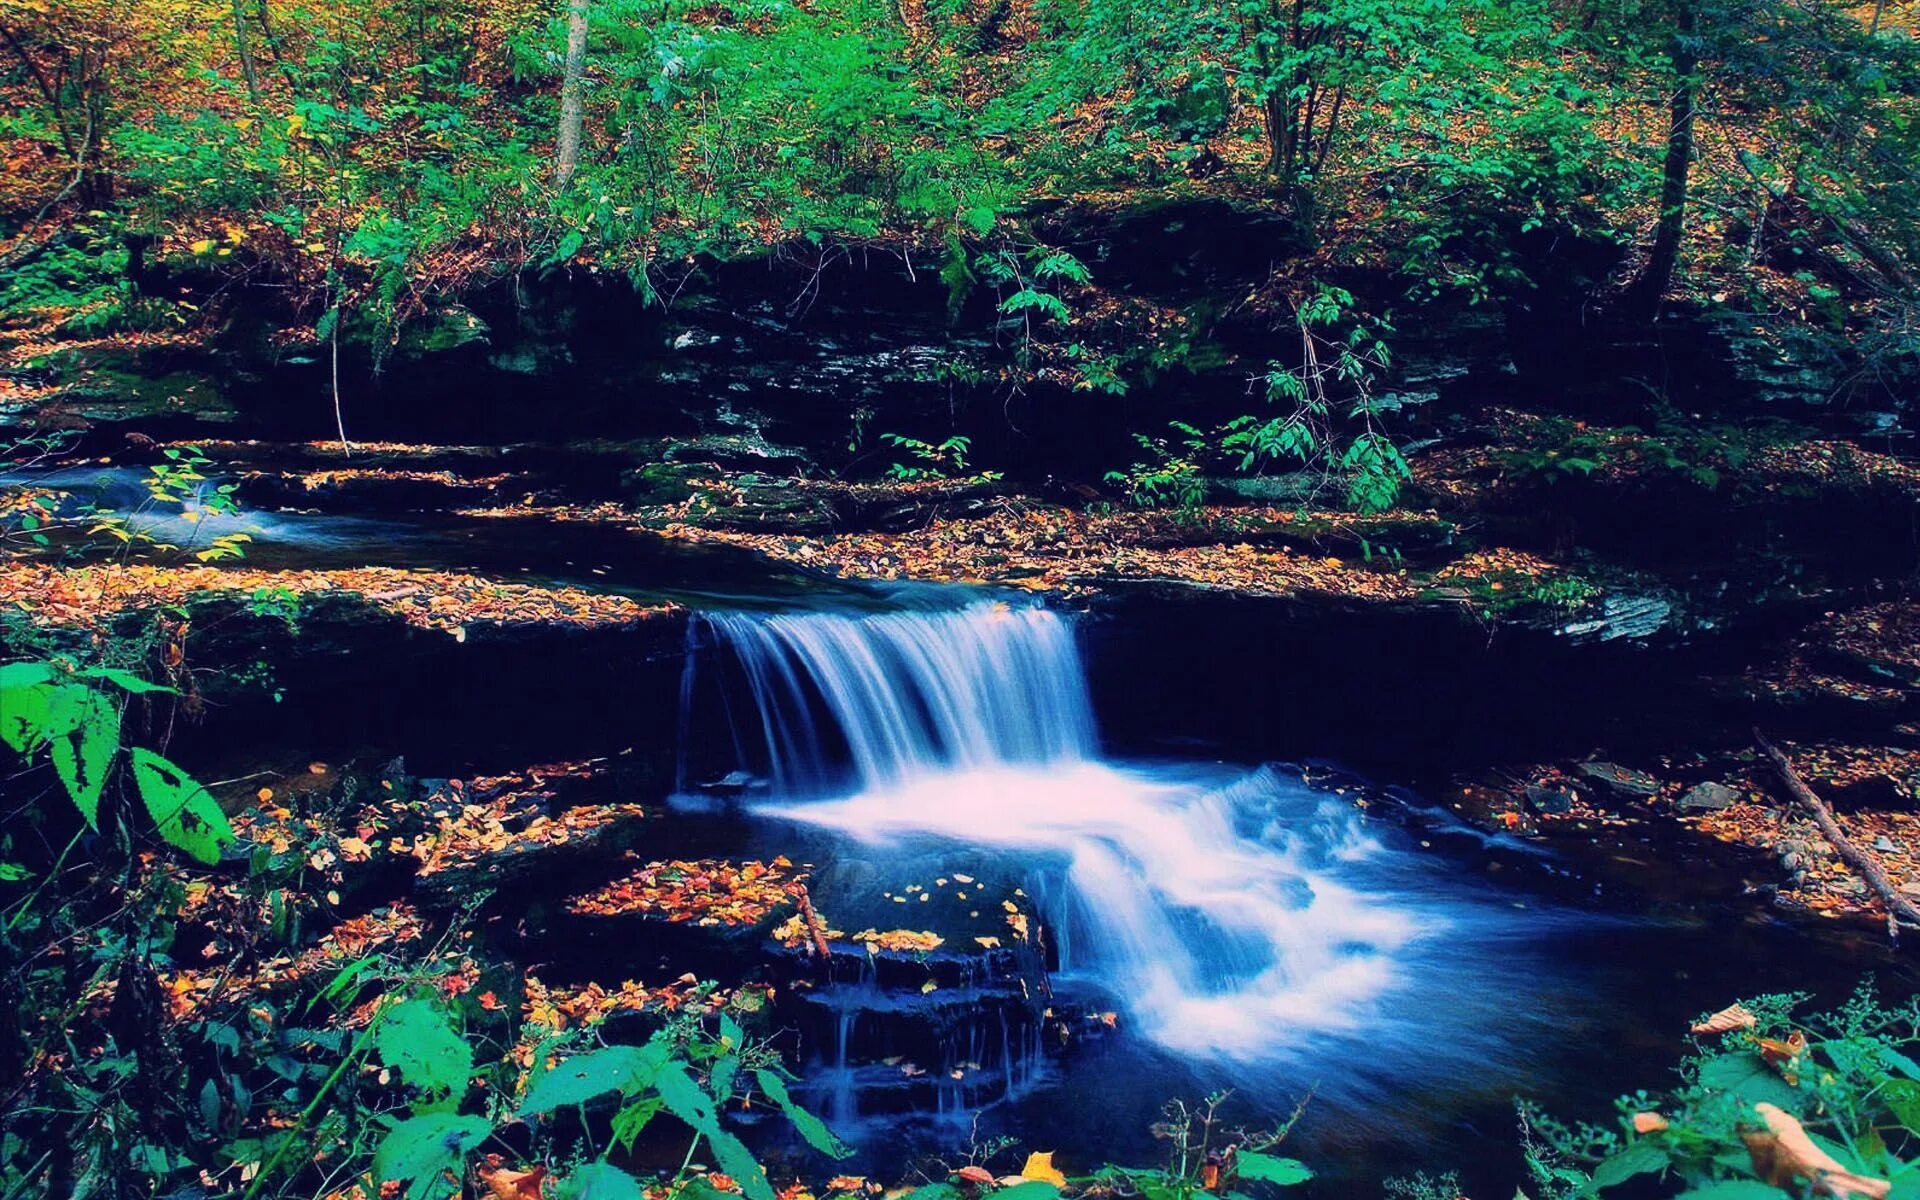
{"points": [[1251, 930]]}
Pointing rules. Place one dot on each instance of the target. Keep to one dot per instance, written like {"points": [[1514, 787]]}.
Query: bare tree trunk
{"points": [[247, 69], [1647, 290], [566, 155]]}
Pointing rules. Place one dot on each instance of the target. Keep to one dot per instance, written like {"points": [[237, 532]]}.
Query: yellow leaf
{"points": [[202, 246], [1040, 1166]]}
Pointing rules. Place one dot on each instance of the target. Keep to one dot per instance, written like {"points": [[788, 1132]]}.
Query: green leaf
{"points": [[598, 1181], [85, 730], [1749, 1078], [632, 1120], [424, 1149], [1637, 1159], [685, 1099], [1732, 1189], [1032, 1189], [812, 1128], [624, 1069], [416, 1039], [1268, 1169], [187, 814], [24, 674], [1902, 1098], [125, 680], [24, 712]]}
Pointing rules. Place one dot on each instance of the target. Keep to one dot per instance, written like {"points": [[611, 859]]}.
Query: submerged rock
{"points": [[1708, 797], [1622, 783]]}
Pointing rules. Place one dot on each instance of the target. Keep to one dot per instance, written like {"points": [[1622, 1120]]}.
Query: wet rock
{"points": [[1621, 617], [1622, 783], [1550, 800], [1708, 797]]}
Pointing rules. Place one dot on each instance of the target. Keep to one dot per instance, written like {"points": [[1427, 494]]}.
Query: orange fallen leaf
{"points": [[1040, 1166], [1734, 1016], [1648, 1122], [507, 1184], [1784, 1155]]}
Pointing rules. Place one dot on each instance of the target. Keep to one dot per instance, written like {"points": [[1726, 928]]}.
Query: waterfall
{"points": [[912, 693], [1228, 916]]}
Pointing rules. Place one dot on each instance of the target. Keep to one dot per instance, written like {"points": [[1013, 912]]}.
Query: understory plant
{"points": [[1770, 1101]]}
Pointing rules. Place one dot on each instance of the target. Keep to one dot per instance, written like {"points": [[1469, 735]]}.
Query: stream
{"points": [[1279, 931], [1252, 927]]}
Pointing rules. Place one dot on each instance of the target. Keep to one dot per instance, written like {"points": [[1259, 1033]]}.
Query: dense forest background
{"points": [[363, 167]]}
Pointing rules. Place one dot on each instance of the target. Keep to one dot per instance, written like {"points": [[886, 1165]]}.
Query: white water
{"points": [[1231, 920]]}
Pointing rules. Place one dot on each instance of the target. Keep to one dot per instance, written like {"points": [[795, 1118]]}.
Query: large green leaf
{"points": [[812, 1128], [685, 1099], [125, 680], [1637, 1159], [422, 1151], [84, 727], [598, 1181], [1732, 1189], [1269, 1169], [187, 814], [1902, 1098], [416, 1039], [1032, 1189], [623, 1069], [24, 710], [1749, 1078]]}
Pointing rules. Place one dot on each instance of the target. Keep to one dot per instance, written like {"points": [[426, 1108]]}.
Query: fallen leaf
{"points": [[1784, 1155], [1734, 1016], [505, 1184], [1040, 1166]]}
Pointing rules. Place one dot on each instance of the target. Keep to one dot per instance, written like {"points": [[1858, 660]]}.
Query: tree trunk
{"points": [[1651, 286], [566, 155], [247, 69]]}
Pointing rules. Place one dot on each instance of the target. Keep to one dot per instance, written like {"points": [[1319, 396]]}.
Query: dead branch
{"points": [[1899, 909], [818, 934]]}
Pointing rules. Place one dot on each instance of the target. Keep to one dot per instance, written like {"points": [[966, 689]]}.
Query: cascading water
{"points": [[1223, 917], [912, 694]]}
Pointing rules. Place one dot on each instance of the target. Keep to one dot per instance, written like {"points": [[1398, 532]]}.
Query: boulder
{"points": [[1708, 797], [1622, 783]]}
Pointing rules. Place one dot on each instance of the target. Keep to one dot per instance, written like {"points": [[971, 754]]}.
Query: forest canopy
{"points": [[377, 156]]}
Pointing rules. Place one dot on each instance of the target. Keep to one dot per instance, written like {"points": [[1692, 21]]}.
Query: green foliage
{"points": [[1852, 1083], [416, 1039], [682, 1070], [78, 280], [1171, 476], [74, 715], [424, 1151], [1205, 1158], [942, 460]]}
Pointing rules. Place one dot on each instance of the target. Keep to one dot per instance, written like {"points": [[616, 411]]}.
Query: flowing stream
{"points": [[1251, 930], [1232, 917]]}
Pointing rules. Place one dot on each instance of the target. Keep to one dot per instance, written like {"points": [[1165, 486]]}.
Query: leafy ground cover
{"points": [[55, 594]]}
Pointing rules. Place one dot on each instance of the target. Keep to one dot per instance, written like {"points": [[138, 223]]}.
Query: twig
{"points": [[1864, 865], [813, 923]]}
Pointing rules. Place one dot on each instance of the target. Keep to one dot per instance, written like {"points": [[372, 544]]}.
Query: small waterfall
{"points": [[1224, 920], [911, 693]]}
